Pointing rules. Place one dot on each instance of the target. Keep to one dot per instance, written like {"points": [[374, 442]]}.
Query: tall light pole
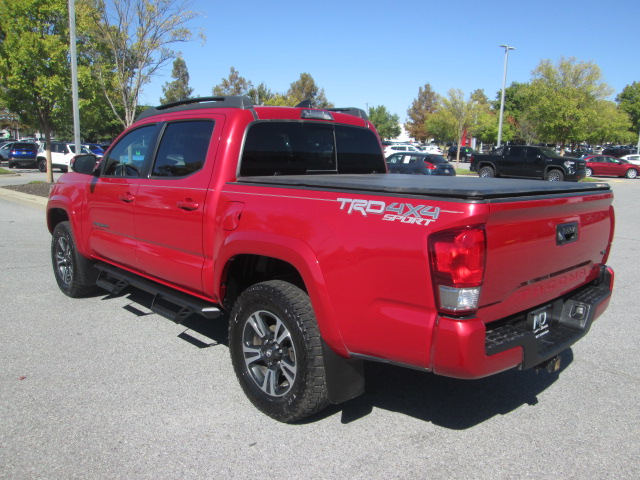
{"points": [[74, 75], [504, 82]]}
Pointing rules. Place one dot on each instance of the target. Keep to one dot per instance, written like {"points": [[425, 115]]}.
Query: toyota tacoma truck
{"points": [[528, 162], [284, 222]]}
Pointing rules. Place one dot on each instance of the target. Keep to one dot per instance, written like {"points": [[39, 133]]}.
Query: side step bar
{"points": [[169, 303]]}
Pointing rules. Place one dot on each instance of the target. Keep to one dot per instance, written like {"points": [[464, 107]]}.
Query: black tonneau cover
{"points": [[464, 188]]}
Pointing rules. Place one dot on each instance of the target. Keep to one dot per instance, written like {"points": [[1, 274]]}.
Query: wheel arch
{"points": [[246, 259]]}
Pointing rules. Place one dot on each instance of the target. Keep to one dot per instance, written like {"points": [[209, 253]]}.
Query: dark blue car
{"points": [[23, 153], [420, 163]]}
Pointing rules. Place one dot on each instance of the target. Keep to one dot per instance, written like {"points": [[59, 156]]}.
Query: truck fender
{"points": [[296, 253]]}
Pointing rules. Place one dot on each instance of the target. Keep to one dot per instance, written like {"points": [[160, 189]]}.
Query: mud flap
{"points": [[345, 376]]}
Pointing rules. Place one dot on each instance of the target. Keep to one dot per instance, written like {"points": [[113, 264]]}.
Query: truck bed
{"points": [[472, 189]]}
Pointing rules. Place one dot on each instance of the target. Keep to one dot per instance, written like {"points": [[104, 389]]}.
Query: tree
{"points": [[388, 125], [629, 101], [261, 94], [34, 66], [419, 112], [457, 116], [179, 88], [305, 88], [611, 124], [131, 43], [233, 85], [516, 124], [562, 100]]}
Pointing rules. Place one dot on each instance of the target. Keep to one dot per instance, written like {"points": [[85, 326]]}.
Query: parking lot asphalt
{"points": [[102, 388]]}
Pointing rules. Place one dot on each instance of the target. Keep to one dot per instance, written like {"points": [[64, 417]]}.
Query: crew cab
{"points": [[528, 162], [283, 222]]}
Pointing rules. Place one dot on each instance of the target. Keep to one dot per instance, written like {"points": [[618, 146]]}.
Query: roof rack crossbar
{"points": [[237, 101]]}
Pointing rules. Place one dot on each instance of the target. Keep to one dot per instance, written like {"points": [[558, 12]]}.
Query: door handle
{"points": [[127, 198], [188, 205]]}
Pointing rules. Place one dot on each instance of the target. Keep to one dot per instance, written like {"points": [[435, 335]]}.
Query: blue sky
{"points": [[380, 52]]}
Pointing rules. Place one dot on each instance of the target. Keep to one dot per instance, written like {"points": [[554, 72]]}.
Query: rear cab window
{"points": [[306, 148]]}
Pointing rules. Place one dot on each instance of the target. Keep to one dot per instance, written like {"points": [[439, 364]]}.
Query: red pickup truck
{"points": [[284, 222]]}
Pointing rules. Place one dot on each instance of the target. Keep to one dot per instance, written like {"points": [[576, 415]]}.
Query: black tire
{"points": [[631, 173], [588, 172], [42, 165], [486, 172], [72, 270], [276, 351], [12, 165], [555, 175]]}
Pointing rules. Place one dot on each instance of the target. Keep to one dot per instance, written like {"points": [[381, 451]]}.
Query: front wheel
{"points": [[276, 351], [69, 267], [42, 165], [631, 173], [486, 172], [588, 172], [555, 176]]}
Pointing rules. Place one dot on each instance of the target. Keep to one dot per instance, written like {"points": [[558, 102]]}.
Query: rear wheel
{"points": [[69, 267], [486, 172], [631, 173], [588, 172], [276, 351], [11, 164], [42, 164], [555, 176]]}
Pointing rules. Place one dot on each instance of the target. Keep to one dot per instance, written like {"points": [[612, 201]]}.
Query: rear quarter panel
{"points": [[368, 278]]}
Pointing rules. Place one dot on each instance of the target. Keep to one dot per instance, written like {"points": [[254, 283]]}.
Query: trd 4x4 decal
{"points": [[402, 212]]}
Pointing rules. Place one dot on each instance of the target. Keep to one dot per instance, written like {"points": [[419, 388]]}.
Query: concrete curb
{"points": [[33, 201]]}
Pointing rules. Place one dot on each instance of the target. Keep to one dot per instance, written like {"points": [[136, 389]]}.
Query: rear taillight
{"points": [[430, 166], [457, 259]]}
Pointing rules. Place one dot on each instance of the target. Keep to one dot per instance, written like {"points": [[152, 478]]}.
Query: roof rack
{"points": [[357, 112], [242, 102]]}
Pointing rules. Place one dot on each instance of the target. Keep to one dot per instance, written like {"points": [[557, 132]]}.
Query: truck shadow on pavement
{"points": [[446, 402]]}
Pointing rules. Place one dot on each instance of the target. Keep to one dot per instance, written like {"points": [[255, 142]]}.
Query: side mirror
{"points": [[84, 164]]}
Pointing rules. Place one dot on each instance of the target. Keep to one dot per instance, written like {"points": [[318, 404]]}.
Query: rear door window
{"points": [[183, 148]]}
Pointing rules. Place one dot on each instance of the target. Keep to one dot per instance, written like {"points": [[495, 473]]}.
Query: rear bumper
{"points": [[470, 349]]}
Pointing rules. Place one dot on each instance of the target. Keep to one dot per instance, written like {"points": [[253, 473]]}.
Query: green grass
{"points": [[36, 182], [4, 171]]}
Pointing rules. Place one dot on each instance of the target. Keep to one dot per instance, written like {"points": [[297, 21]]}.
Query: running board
{"points": [[169, 303]]}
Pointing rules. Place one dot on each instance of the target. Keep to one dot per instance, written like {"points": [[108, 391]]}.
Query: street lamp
{"points": [[504, 82]]}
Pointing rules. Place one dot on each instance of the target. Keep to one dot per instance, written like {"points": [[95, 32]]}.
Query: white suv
{"points": [[61, 155], [391, 149]]}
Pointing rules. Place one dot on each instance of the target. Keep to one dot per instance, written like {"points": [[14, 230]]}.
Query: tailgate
{"points": [[540, 249]]}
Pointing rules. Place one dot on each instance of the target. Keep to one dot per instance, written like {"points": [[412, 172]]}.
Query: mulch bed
{"points": [[39, 189]]}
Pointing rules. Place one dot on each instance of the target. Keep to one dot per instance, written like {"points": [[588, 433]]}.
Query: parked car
{"points": [[4, 150], [94, 148], [610, 166], [635, 158], [618, 151], [433, 149], [391, 149], [525, 161], [419, 162], [22, 154], [61, 155], [465, 153]]}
